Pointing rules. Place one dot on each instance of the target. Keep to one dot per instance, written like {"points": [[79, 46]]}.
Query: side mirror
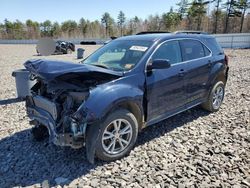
{"points": [[158, 64]]}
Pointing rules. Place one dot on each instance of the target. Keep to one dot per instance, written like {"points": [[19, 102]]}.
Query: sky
{"points": [[61, 10]]}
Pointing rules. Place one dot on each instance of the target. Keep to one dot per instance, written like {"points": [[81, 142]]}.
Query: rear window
{"points": [[193, 49], [213, 45]]}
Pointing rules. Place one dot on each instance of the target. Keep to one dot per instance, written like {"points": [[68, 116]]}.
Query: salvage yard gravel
{"points": [[192, 149]]}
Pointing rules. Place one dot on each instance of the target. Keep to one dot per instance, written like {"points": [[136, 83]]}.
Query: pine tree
{"points": [[108, 21], [120, 21]]}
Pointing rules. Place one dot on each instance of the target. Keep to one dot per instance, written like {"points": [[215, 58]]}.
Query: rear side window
{"points": [[214, 46], [170, 51], [193, 49], [206, 50]]}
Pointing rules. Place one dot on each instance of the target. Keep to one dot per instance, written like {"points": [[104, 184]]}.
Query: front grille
{"points": [[46, 105]]}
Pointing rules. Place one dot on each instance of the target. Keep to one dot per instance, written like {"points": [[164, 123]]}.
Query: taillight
{"points": [[226, 59]]}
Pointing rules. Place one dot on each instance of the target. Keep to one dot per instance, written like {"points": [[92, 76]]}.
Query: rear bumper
{"points": [[40, 116]]}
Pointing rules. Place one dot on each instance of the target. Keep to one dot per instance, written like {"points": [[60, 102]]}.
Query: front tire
{"points": [[215, 97], [118, 135], [68, 51], [39, 133]]}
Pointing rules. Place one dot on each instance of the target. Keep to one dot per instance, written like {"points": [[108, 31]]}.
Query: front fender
{"points": [[104, 98], [101, 100]]}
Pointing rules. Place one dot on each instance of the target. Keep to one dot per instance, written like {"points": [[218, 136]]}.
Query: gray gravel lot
{"points": [[192, 149]]}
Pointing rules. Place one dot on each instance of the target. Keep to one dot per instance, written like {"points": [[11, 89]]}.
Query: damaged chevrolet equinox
{"points": [[126, 85]]}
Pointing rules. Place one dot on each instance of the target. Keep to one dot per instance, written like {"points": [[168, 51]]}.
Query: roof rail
{"points": [[190, 32], [151, 32]]}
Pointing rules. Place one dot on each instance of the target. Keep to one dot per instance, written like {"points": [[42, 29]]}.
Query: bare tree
{"points": [[243, 5], [216, 15]]}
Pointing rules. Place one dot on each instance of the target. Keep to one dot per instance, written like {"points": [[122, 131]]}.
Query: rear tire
{"points": [[215, 97], [118, 134]]}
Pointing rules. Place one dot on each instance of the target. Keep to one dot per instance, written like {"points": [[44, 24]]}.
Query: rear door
{"points": [[199, 62], [165, 87]]}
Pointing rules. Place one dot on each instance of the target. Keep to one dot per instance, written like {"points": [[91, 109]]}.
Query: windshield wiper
{"points": [[100, 65]]}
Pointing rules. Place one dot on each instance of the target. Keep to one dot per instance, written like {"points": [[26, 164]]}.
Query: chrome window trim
{"points": [[182, 62]]}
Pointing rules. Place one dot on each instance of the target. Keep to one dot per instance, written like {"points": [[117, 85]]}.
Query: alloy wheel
{"points": [[117, 136], [218, 97]]}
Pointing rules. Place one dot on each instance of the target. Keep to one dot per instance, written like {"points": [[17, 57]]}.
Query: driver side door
{"points": [[165, 87]]}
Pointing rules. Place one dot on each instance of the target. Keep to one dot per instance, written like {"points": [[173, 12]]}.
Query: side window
{"points": [[192, 49], [206, 50], [214, 46], [169, 51]]}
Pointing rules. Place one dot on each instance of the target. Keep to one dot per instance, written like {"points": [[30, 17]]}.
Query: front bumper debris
{"points": [[39, 115]]}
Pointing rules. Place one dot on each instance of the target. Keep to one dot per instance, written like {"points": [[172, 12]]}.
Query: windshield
{"points": [[121, 55]]}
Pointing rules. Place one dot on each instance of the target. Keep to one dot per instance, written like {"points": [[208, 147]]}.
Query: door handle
{"points": [[182, 72]]}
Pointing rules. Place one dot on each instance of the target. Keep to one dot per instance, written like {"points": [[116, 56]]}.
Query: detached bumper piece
{"points": [[42, 111]]}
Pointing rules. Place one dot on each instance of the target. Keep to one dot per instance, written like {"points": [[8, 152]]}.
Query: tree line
{"points": [[212, 16]]}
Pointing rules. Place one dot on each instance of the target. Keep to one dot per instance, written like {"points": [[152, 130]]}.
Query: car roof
{"points": [[164, 36]]}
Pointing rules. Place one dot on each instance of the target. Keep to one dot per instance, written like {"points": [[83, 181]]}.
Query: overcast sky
{"points": [[61, 10]]}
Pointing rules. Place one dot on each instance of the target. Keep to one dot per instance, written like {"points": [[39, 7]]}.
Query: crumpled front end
{"points": [[58, 97], [64, 129]]}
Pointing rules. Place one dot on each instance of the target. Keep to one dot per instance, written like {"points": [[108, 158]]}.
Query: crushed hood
{"points": [[51, 69]]}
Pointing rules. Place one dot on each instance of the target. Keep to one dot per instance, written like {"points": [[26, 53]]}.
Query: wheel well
{"points": [[221, 77], [134, 109]]}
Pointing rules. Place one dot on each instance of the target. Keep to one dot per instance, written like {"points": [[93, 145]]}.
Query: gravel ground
{"points": [[192, 149]]}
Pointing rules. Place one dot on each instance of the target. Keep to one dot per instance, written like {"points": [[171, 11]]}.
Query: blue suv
{"points": [[126, 85]]}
